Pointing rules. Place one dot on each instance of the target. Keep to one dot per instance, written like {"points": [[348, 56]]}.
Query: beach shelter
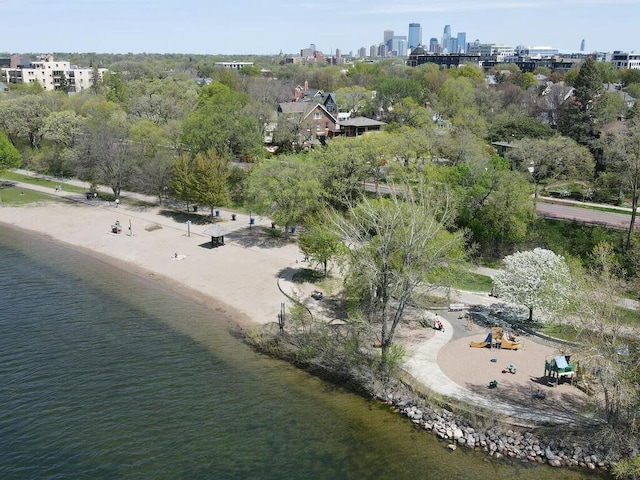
{"points": [[217, 233]]}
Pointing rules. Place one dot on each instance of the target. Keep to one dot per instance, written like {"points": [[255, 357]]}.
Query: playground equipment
{"points": [[559, 368], [498, 338]]}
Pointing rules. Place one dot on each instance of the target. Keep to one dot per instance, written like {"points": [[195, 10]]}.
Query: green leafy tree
{"points": [[210, 174], [557, 158], [63, 128], [394, 242], [408, 113], [23, 119], [182, 180], [342, 170], [220, 122], [116, 88], [495, 205], [9, 155], [286, 189], [518, 128], [320, 244]]}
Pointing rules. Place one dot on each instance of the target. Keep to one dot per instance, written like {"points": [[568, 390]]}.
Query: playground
{"points": [[511, 375]]}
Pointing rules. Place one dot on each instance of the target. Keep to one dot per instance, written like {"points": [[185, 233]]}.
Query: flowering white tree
{"points": [[536, 279]]}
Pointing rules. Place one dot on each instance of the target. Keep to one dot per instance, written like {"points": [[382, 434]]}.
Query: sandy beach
{"points": [[239, 278]]}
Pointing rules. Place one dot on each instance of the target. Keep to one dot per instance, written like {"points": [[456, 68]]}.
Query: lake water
{"points": [[108, 375]]}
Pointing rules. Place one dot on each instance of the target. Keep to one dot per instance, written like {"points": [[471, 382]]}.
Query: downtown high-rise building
{"points": [[462, 42], [446, 39], [415, 35]]}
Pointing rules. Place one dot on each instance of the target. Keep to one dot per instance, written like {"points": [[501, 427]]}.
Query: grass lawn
{"points": [[473, 282], [560, 331], [16, 177], [18, 196]]}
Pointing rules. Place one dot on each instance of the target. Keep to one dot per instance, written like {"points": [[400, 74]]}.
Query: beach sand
{"points": [[238, 279]]}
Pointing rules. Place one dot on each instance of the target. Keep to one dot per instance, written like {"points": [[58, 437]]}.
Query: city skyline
{"points": [[268, 28]]}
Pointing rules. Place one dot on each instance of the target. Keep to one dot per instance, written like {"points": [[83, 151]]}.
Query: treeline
{"points": [[150, 126]]}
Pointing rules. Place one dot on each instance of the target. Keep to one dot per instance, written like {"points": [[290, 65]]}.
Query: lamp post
{"points": [[188, 228]]}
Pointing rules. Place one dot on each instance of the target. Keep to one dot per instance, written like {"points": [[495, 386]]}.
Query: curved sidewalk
{"points": [[422, 364]]}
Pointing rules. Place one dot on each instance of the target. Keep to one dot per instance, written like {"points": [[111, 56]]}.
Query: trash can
{"points": [[217, 213], [252, 221], [233, 216], [293, 230], [195, 208]]}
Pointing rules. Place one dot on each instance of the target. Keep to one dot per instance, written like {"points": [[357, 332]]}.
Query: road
{"points": [[562, 210], [584, 215]]}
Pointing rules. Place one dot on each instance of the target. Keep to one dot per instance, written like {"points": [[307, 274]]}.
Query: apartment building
{"points": [[52, 74], [623, 60]]}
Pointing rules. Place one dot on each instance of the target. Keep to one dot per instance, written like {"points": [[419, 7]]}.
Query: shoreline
{"points": [[237, 280], [223, 278]]}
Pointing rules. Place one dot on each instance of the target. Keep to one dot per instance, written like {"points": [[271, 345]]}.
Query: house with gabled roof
{"points": [[327, 100], [314, 123]]}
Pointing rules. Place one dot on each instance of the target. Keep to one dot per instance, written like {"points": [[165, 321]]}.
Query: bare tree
{"points": [[608, 353]]}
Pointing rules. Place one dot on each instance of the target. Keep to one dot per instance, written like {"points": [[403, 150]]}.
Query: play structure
{"points": [[559, 368], [499, 338]]}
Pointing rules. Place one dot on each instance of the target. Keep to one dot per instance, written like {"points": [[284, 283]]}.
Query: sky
{"points": [[269, 27]]}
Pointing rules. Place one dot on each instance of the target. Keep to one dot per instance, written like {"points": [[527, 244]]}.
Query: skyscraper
{"points": [[415, 35], [434, 47], [582, 45], [446, 38], [388, 39], [462, 42]]}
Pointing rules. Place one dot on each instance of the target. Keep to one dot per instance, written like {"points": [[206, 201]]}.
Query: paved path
{"points": [[422, 364]]}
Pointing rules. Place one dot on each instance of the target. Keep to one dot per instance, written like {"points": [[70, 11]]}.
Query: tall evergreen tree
{"points": [[579, 115]]}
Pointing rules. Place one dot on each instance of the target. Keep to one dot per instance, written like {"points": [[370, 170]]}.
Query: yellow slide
{"points": [[486, 343]]}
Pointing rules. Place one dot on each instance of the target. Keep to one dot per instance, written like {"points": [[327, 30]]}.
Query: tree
{"points": [[608, 347], [220, 121], [579, 115], [320, 244], [210, 173], [342, 170], [495, 204], [622, 150], [518, 128], [63, 128], [9, 155], [182, 179], [103, 152], [394, 242], [96, 80], [286, 188], [536, 279], [23, 119], [556, 158]]}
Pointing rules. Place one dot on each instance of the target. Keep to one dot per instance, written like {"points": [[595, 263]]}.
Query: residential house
{"points": [[354, 127], [313, 122], [327, 100]]}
